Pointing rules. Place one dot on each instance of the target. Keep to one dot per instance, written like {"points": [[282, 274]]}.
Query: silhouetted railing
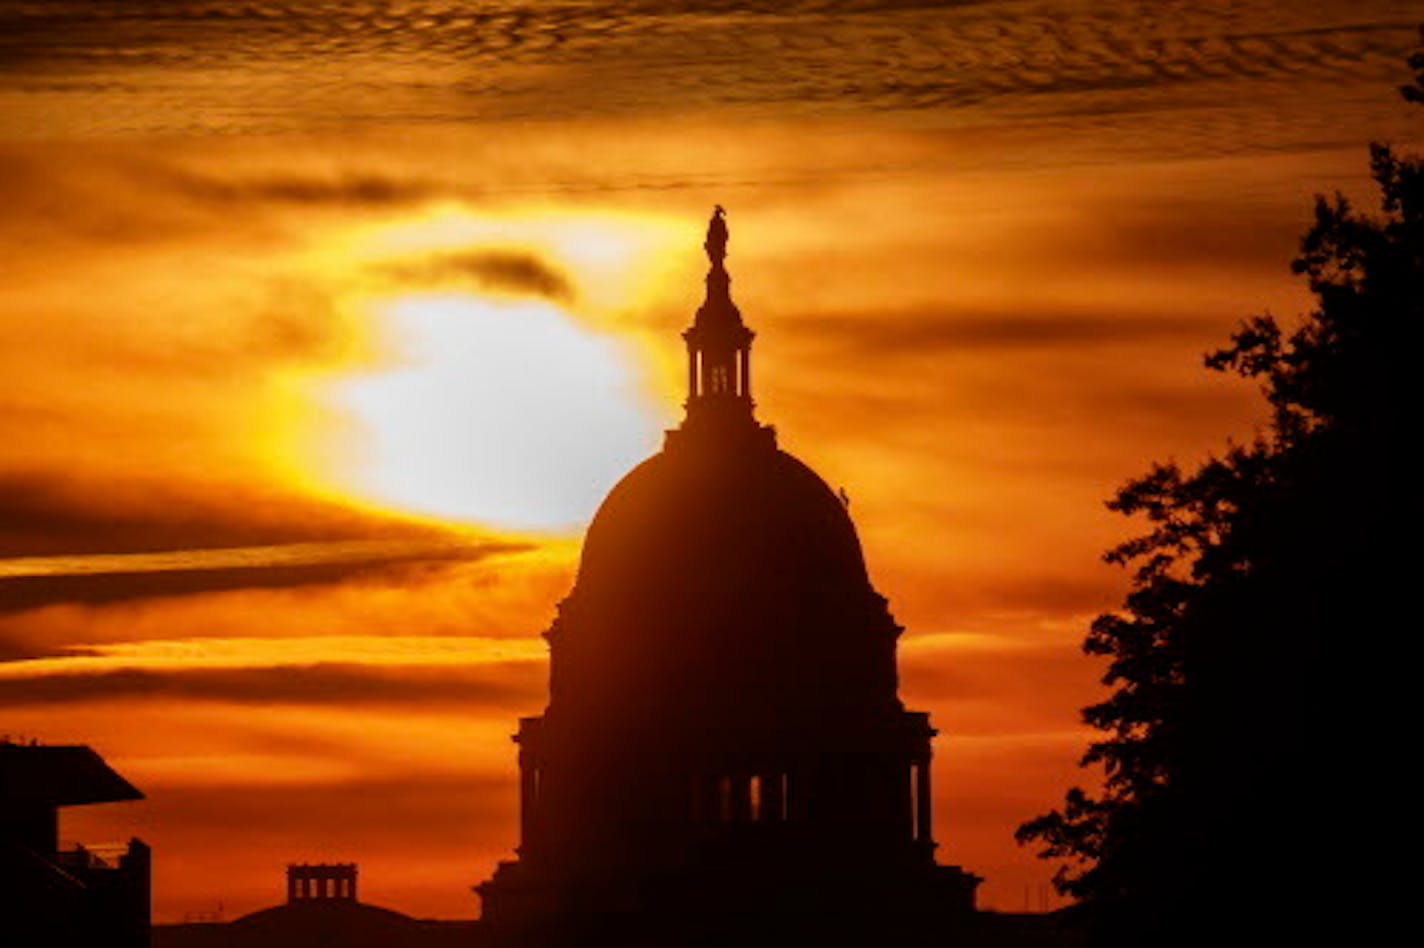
{"points": [[76, 856]]}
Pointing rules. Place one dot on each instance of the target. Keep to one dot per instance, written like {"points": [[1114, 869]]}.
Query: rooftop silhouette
{"points": [[66, 894], [322, 909]]}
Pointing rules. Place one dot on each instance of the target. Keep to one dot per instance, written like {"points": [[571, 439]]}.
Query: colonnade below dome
{"points": [[741, 798], [664, 798]]}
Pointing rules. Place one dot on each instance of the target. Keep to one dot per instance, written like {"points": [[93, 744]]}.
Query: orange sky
{"points": [[325, 326]]}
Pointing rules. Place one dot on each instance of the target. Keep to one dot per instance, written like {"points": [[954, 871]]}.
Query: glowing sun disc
{"points": [[501, 412]]}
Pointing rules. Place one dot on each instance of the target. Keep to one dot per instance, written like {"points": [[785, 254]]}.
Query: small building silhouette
{"points": [[57, 893], [321, 910], [307, 882]]}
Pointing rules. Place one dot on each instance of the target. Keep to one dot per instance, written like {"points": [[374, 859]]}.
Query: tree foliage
{"points": [[1250, 663]]}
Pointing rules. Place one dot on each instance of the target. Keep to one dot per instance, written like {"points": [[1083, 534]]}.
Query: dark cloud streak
{"points": [[930, 333], [351, 189], [521, 59], [508, 271], [21, 593], [498, 685], [42, 516]]}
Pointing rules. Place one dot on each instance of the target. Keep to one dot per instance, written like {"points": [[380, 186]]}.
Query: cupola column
{"points": [[923, 832]]}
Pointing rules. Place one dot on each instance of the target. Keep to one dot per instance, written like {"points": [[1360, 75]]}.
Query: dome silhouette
{"points": [[723, 575], [753, 518], [724, 754], [330, 919]]}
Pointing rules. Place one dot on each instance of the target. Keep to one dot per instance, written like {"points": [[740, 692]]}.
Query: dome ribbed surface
{"points": [[715, 524], [722, 573]]}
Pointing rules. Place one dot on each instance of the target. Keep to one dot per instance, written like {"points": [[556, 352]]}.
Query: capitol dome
{"points": [[750, 521], [724, 753], [722, 573]]}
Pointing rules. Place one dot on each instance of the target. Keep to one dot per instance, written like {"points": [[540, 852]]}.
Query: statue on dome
{"points": [[716, 244]]}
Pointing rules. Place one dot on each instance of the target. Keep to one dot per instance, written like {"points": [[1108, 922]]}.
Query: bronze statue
{"points": [[716, 244]]}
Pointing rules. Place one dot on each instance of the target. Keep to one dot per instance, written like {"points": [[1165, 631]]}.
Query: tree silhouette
{"points": [[1246, 745]]}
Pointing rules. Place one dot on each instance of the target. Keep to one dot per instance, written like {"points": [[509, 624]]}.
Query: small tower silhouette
{"points": [[719, 345], [310, 882]]}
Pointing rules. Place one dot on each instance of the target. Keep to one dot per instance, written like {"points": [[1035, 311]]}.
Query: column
{"points": [[697, 798], [741, 798], [922, 800], [527, 778], [773, 798]]}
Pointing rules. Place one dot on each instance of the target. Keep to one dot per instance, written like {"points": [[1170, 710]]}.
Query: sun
{"points": [[494, 402], [503, 412]]}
